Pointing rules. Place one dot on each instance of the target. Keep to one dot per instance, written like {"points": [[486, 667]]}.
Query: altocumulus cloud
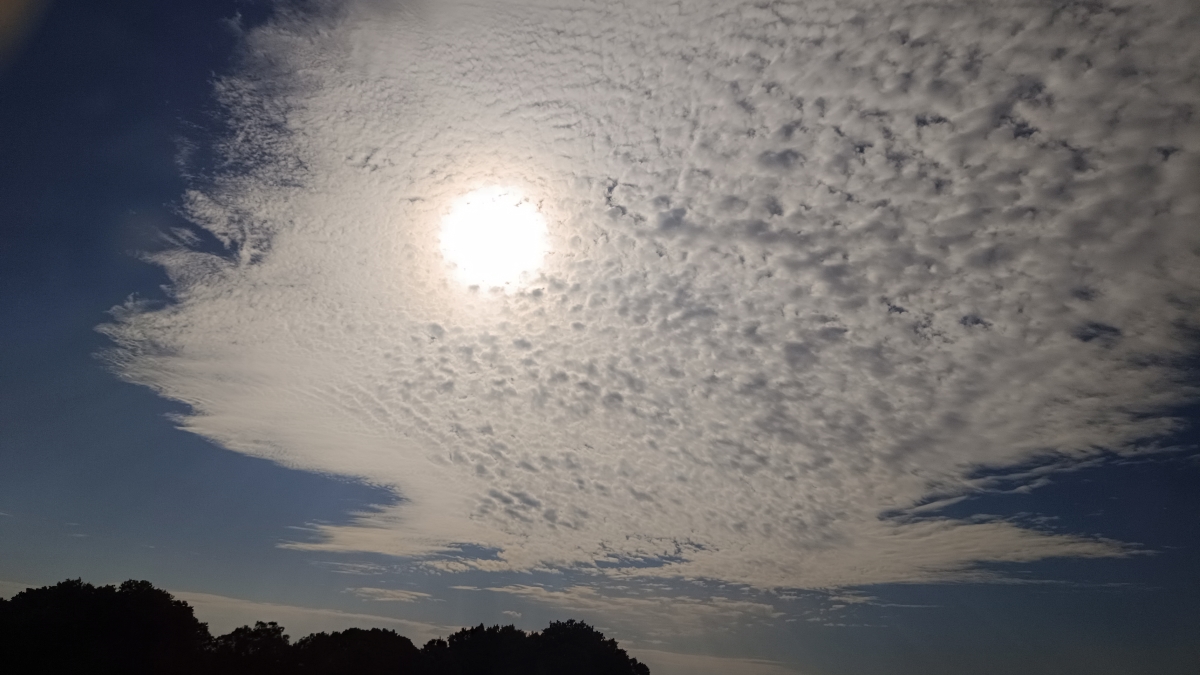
{"points": [[811, 267]]}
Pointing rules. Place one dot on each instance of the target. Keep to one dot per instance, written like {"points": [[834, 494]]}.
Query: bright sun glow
{"points": [[493, 237]]}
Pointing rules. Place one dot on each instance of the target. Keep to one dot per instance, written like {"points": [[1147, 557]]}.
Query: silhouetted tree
{"points": [[261, 650], [137, 629], [499, 650], [438, 659], [358, 652], [564, 648], [76, 627], [577, 648]]}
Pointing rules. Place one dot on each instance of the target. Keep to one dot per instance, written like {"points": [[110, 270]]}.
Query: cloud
{"points": [[811, 267], [646, 617], [356, 568], [389, 594], [672, 663], [223, 614], [10, 588]]}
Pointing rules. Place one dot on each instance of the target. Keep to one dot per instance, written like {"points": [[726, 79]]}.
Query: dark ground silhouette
{"points": [[134, 629]]}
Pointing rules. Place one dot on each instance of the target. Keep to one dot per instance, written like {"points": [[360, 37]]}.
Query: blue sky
{"points": [[863, 342]]}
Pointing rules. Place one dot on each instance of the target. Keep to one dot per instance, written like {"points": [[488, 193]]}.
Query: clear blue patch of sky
{"points": [[1086, 616]]}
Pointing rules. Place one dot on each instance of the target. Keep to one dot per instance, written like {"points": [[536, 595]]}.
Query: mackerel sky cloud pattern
{"points": [[812, 271]]}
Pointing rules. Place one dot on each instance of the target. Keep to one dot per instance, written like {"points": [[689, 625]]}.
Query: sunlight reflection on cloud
{"points": [[809, 273], [493, 237]]}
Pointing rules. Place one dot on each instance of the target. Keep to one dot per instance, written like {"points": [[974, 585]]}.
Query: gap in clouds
{"points": [[808, 271]]}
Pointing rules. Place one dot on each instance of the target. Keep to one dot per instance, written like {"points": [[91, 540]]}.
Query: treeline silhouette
{"points": [[136, 629]]}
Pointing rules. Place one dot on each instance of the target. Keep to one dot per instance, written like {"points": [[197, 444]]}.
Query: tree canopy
{"points": [[136, 629]]}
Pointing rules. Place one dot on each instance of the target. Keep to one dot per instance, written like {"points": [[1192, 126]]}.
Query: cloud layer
{"points": [[811, 267], [224, 614]]}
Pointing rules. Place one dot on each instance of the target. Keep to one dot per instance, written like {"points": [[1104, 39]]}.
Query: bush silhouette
{"points": [[137, 629]]}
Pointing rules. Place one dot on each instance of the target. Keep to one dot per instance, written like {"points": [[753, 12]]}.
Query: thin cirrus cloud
{"points": [[389, 594], [653, 617], [669, 663], [224, 614], [810, 268]]}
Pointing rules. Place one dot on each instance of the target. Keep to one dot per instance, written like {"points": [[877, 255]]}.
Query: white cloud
{"points": [[810, 266]]}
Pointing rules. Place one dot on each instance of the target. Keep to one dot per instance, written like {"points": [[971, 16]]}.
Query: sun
{"points": [[494, 237]]}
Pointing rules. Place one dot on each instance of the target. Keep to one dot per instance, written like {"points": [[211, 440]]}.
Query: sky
{"points": [[768, 337]]}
